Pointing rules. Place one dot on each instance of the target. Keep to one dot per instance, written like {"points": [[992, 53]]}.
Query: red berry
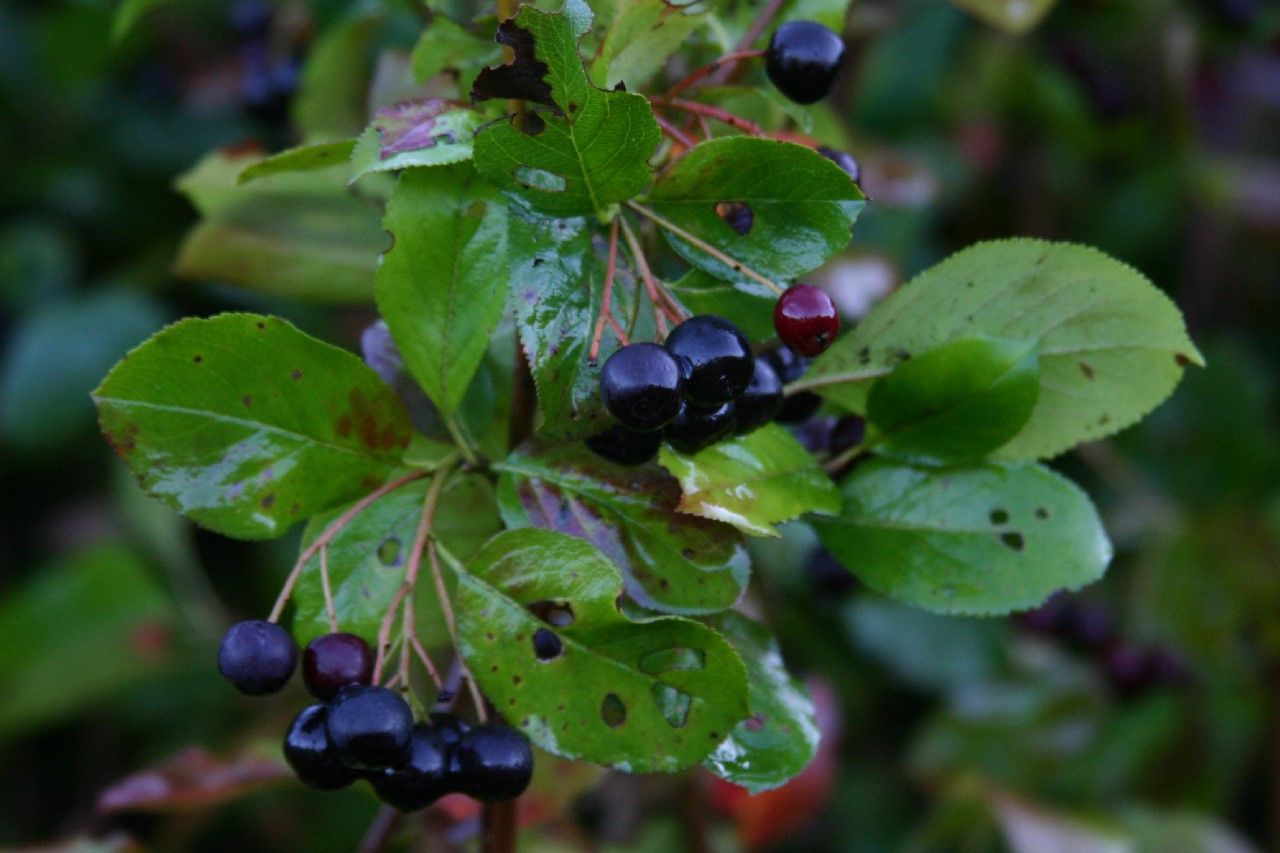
{"points": [[805, 319]]}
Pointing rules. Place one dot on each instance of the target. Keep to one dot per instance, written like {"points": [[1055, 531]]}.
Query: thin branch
{"points": [[660, 310], [735, 265], [674, 132], [426, 662], [711, 68], [753, 32], [709, 111], [451, 623], [606, 299], [328, 590]]}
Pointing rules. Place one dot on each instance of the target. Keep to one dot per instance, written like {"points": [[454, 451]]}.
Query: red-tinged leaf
{"points": [[195, 779]]}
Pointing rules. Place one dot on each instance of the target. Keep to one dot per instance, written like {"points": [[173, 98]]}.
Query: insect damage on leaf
{"points": [[524, 78], [412, 126]]}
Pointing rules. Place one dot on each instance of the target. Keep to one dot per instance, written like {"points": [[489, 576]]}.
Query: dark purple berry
{"points": [[421, 780], [332, 661], [761, 402], [803, 59], [371, 727], [311, 754], [1167, 666], [623, 446], [641, 386], [844, 160], [790, 367], [848, 432], [450, 727], [1052, 618], [492, 763], [1092, 627], [714, 358], [696, 428], [257, 657], [805, 319], [1127, 668]]}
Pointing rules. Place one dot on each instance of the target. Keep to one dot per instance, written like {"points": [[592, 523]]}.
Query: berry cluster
{"points": [[362, 731]]}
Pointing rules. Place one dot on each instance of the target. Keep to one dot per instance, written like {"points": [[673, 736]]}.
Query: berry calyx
{"points": [[842, 159], [421, 780], [332, 661], [641, 386], [803, 59], [623, 446], [257, 657], [805, 319], [714, 357], [761, 402], [492, 763], [311, 754], [696, 427], [371, 727]]}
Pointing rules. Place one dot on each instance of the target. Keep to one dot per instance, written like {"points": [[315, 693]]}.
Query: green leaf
{"points": [[246, 425], [642, 696], [303, 158], [593, 152], [641, 37], [752, 481], [445, 44], [956, 402], [745, 303], [671, 561], [981, 540], [127, 15], [1012, 16], [1111, 346], [429, 132], [335, 80], [780, 737], [301, 235], [368, 557], [442, 286], [802, 204]]}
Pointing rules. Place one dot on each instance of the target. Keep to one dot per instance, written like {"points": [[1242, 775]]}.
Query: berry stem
{"points": [[331, 531], [426, 661], [712, 67], [451, 623], [674, 132], [836, 463], [606, 300], [328, 589], [716, 113], [498, 827], [736, 266], [660, 310], [380, 831], [753, 32]]}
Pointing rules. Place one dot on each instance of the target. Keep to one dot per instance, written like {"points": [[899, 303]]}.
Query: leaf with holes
{"points": [[246, 425], [752, 481], [368, 557], [427, 132], [591, 151], [1110, 345], [780, 737], [642, 35], [442, 285], [802, 206], [956, 402], [447, 45], [557, 286], [539, 626], [671, 561], [980, 540]]}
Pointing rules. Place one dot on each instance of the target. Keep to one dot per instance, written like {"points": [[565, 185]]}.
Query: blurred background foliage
{"points": [[1142, 714]]}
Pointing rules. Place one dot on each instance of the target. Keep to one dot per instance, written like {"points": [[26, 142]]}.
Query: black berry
{"points": [[641, 386], [847, 432], [803, 59], [311, 754], [371, 727], [421, 780], [714, 358], [761, 402], [805, 319], [332, 661], [257, 657], [624, 446], [450, 727], [843, 160], [493, 763], [697, 427], [790, 367]]}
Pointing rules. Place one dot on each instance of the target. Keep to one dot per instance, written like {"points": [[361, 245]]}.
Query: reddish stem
{"points": [[710, 112], [711, 68], [674, 132], [661, 312], [606, 300]]}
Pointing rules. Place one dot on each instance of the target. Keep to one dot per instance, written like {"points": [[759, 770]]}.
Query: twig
{"points": [[674, 132], [709, 111], [426, 662], [660, 309], [606, 299], [498, 827], [753, 32], [451, 623], [735, 265], [712, 67]]}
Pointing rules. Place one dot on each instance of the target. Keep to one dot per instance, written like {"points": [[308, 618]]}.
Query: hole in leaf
{"points": [[546, 645], [531, 124], [674, 704], [612, 711], [389, 552], [999, 516], [389, 243], [737, 216], [1012, 540], [539, 179], [558, 614], [675, 658]]}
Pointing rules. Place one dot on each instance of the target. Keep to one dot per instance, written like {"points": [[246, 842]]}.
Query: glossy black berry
{"points": [[492, 763], [790, 367], [842, 159], [623, 446], [421, 780], [696, 427], [450, 727], [257, 657], [641, 386], [714, 358], [332, 661], [371, 727], [761, 402], [311, 754], [803, 59], [805, 319]]}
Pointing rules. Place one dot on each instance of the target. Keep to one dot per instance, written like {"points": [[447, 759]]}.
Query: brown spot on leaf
{"points": [[1182, 360], [295, 374], [1086, 370], [268, 499], [247, 399]]}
